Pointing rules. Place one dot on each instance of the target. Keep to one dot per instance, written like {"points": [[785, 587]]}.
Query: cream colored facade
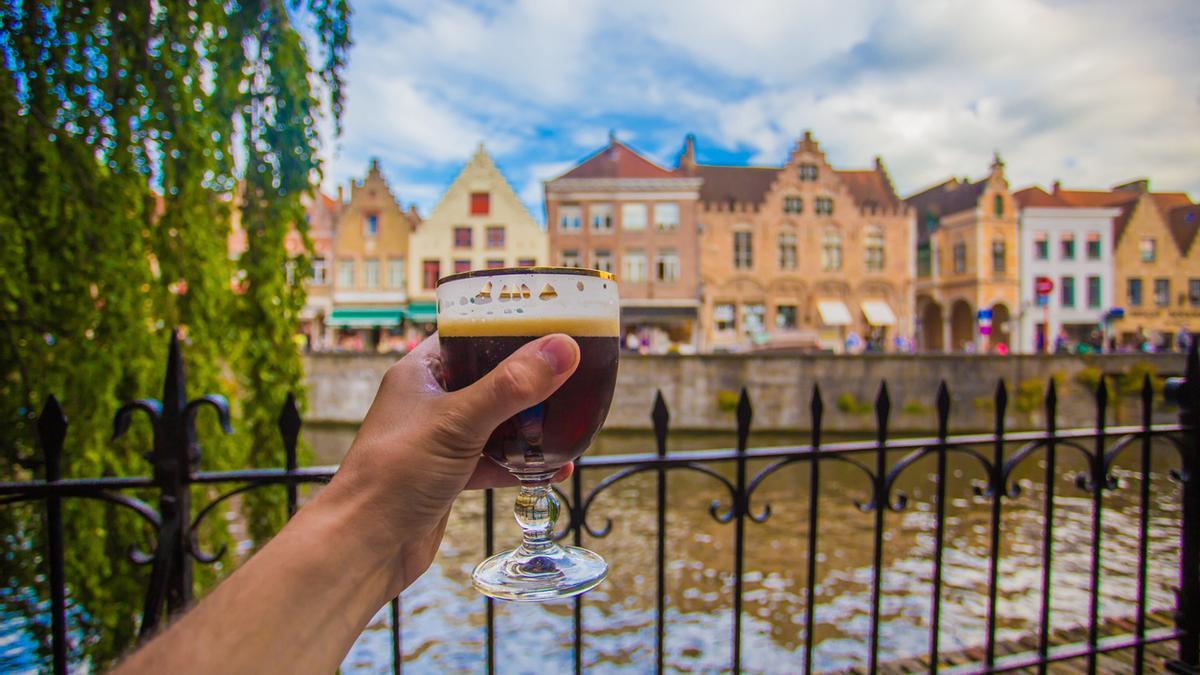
{"points": [[1149, 254], [501, 234], [967, 262]]}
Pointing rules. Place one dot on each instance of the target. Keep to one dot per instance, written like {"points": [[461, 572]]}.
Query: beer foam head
{"points": [[531, 301]]}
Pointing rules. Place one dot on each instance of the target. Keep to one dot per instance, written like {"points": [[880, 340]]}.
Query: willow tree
{"points": [[132, 133]]}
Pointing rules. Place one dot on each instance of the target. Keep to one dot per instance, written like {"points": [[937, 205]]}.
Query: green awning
{"points": [[422, 312], [366, 317]]}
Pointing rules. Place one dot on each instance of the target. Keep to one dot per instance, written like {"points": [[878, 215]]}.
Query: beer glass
{"points": [[483, 316]]}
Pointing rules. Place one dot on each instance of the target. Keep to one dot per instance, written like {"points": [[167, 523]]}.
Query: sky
{"points": [[1089, 92]]}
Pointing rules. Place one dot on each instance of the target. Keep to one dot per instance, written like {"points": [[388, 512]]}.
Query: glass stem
{"points": [[536, 511]]}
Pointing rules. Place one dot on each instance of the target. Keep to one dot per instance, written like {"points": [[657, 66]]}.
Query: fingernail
{"points": [[559, 352]]}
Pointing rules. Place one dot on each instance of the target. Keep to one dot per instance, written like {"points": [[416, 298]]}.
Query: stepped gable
{"points": [[944, 199], [871, 188]]}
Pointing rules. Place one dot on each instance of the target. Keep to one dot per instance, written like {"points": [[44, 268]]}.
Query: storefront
{"points": [[359, 329], [880, 319], [835, 321], [659, 329]]}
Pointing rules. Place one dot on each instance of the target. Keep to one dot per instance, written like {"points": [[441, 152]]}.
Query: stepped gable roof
{"points": [[870, 187], [746, 184], [617, 160]]}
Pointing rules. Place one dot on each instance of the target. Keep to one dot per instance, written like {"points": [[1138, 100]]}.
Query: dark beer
{"points": [[558, 430]]}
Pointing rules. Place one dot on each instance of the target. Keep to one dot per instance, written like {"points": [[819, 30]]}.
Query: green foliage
{"points": [[984, 403], [1130, 382], [1031, 393], [915, 407], [849, 404], [1089, 378], [727, 400], [126, 131]]}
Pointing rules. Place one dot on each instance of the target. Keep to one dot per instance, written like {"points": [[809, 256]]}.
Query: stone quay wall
{"points": [[701, 391]]}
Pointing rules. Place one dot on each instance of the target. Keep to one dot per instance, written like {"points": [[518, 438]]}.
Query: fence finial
{"points": [[52, 431], [661, 417]]}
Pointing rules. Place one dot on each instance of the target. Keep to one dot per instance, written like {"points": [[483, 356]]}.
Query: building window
{"points": [[318, 272], [1093, 292], [793, 204], [998, 205], [570, 258], [371, 224], [1149, 249], [461, 266], [666, 266], [1041, 246], [396, 273], [785, 317], [495, 236], [666, 216], [823, 206], [808, 172], [494, 263], [1194, 292], [602, 260], [1162, 292], [743, 250], [345, 274], [999, 257], [601, 217], [924, 260], [526, 262], [831, 250], [570, 218], [1135, 292], [752, 319], [633, 216], [723, 316], [1093, 246], [633, 265], [787, 249], [481, 203], [1067, 291], [431, 271], [873, 247], [371, 274], [1067, 244], [462, 237], [960, 258]]}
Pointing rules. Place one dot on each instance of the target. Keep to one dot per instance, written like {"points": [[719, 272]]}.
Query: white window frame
{"points": [[636, 224], [633, 265]]}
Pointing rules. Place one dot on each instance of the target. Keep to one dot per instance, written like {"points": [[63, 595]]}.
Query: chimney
{"points": [[1056, 187], [687, 160]]}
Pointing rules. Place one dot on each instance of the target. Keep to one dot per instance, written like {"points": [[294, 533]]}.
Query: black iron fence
{"points": [[175, 459]]}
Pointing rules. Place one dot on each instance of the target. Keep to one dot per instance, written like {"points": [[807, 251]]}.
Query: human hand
{"points": [[420, 446]]}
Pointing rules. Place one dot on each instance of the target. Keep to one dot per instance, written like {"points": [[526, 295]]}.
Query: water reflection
{"points": [[443, 618]]}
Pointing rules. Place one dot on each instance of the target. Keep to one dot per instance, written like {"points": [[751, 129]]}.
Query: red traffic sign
{"points": [[1043, 285]]}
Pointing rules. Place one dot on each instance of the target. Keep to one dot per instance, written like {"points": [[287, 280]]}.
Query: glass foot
{"points": [[551, 572]]}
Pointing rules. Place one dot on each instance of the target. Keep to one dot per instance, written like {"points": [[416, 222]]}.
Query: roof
{"points": [[946, 198], [870, 187], [1184, 223], [747, 184], [1035, 197], [1097, 198], [617, 160]]}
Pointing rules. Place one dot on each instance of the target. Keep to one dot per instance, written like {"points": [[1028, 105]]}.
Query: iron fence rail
{"points": [[175, 460]]}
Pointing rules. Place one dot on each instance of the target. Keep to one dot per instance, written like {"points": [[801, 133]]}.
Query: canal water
{"points": [[443, 618]]}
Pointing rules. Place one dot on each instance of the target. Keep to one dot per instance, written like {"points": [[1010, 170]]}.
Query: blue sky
{"points": [[1091, 92]]}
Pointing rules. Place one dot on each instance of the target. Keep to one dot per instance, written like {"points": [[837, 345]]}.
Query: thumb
{"points": [[524, 379]]}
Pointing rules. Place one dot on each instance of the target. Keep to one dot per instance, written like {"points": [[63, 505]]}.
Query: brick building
{"points": [[620, 212], [802, 255], [966, 262]]}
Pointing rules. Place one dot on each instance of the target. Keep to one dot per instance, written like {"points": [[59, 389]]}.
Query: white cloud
{"points": [[1088, 92]]}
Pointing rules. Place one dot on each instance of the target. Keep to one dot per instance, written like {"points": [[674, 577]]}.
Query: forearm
{"points": [[296, 606]]}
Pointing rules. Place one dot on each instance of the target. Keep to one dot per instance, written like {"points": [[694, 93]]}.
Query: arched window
{"points": [[873, 247], [787, 248], [831, 250]]}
